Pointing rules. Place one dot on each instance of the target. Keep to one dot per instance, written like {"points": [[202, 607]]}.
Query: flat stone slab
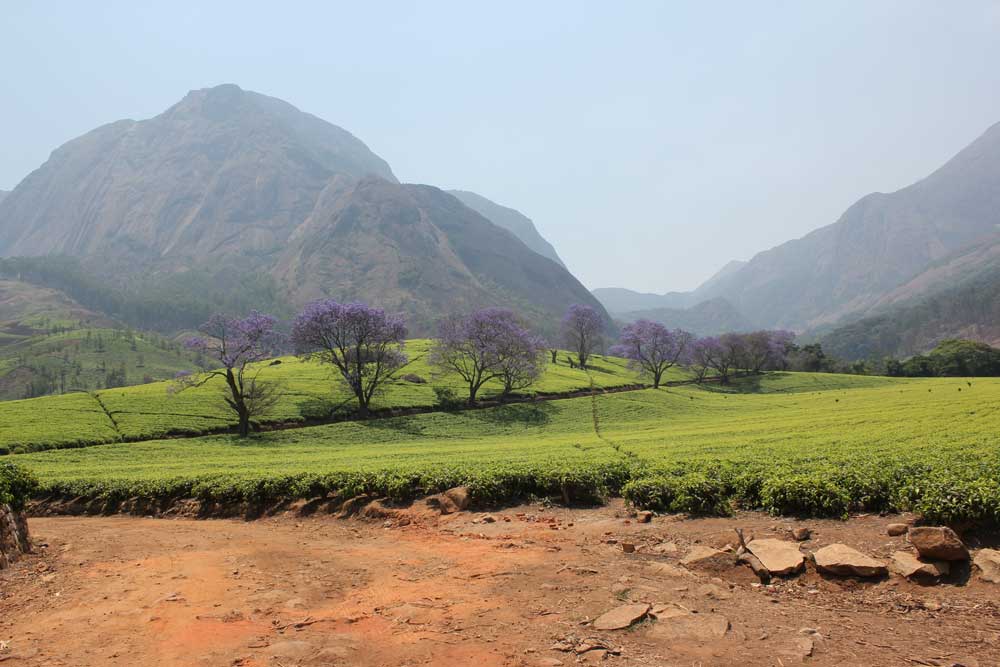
{"points": [[621, 617], [937, 543], [845, 561], [780, 557], [907, 565], [683, 625], [988, 562]]}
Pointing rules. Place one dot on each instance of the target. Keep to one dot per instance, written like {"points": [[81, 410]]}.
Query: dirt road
{"points": [[454, 591]]}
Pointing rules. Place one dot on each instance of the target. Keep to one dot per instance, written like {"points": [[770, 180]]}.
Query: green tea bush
{"points": [[804, 495], [16, 485]]}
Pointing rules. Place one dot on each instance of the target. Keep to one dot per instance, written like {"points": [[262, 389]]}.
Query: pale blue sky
{"points": [[651, 142]]}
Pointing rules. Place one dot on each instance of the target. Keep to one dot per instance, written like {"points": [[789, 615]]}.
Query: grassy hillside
{"points": [[50, 344], [308, 392], [810, 444]]}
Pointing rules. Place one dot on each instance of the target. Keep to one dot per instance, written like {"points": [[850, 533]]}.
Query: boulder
{"points": [[801, 534], [707, 557], [460, 496], [844, 561], [937, 543], [451, 501], [897, 529], [621, 617], [988, 562], [644, 516], [779, 557], [907, 565]]}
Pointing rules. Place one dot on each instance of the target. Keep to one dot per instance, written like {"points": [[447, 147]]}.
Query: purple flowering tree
{"points": [[652, 348], [238, 344], [582, 327], [764, 349], [362, 343], [489, 344]]}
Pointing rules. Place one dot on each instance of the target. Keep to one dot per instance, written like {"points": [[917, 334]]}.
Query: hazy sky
{"points": [[650, 142]]}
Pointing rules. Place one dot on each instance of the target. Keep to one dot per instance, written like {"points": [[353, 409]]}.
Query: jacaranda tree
{"points": [[362, 343], [582, 327], [237, 344], [486, 345], [652, 348]]}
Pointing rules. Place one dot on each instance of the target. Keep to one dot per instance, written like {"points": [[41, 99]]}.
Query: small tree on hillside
{"points": [[486, 345], [762, 350], [652, 348], [582, 328], [237, 344], [363, 343]]}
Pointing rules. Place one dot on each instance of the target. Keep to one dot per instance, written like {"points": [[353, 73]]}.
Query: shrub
{"points": [[804, 495], [447, 399], [694, 493], [16, 485]]}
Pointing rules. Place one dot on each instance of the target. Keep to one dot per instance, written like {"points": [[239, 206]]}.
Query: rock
{"points": [[988, 562], [628, 547], [684, 625], [621, 617], [460, 496], [779, 557], [644, 517], [487, 518], [802, 533], [707, 557], [907, 565], [844, 561], [668, 570], [937, 543], [897, 529], [665, 548]]}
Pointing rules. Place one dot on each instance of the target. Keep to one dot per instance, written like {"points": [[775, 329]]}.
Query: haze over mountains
{"points": [[231, 180], [886, 251]]}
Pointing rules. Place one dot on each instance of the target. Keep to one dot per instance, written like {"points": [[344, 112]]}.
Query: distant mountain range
{"points": [[233, 182], [3, 194], [886, 255]]}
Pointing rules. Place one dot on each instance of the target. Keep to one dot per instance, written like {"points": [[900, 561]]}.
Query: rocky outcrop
{"points": [[13, 536]]}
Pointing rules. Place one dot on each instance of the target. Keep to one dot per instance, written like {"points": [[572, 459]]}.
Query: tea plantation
{"points": [[809, 444], [308, 392]]}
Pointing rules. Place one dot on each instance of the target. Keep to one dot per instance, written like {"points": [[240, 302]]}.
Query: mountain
{"points": [[708, 318], [882, 242], [513, 221], [969, 310], [619, 300], [3, 194], [417, 248], [229, 183]]}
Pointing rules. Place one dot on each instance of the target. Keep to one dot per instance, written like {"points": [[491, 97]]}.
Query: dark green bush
{"points": [[804, 495], [16, 485]]}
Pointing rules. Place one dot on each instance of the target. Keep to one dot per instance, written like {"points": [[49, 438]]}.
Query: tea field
{"points": [[308, 392], [810, 444]]}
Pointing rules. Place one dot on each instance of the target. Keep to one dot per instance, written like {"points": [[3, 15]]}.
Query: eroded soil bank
{"points": [[422, 589]]}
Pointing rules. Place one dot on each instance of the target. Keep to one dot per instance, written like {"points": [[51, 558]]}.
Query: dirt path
{"points": [[453, 591]]}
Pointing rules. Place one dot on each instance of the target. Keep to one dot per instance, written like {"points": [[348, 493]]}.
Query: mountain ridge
{"points": [[235, 181]]}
